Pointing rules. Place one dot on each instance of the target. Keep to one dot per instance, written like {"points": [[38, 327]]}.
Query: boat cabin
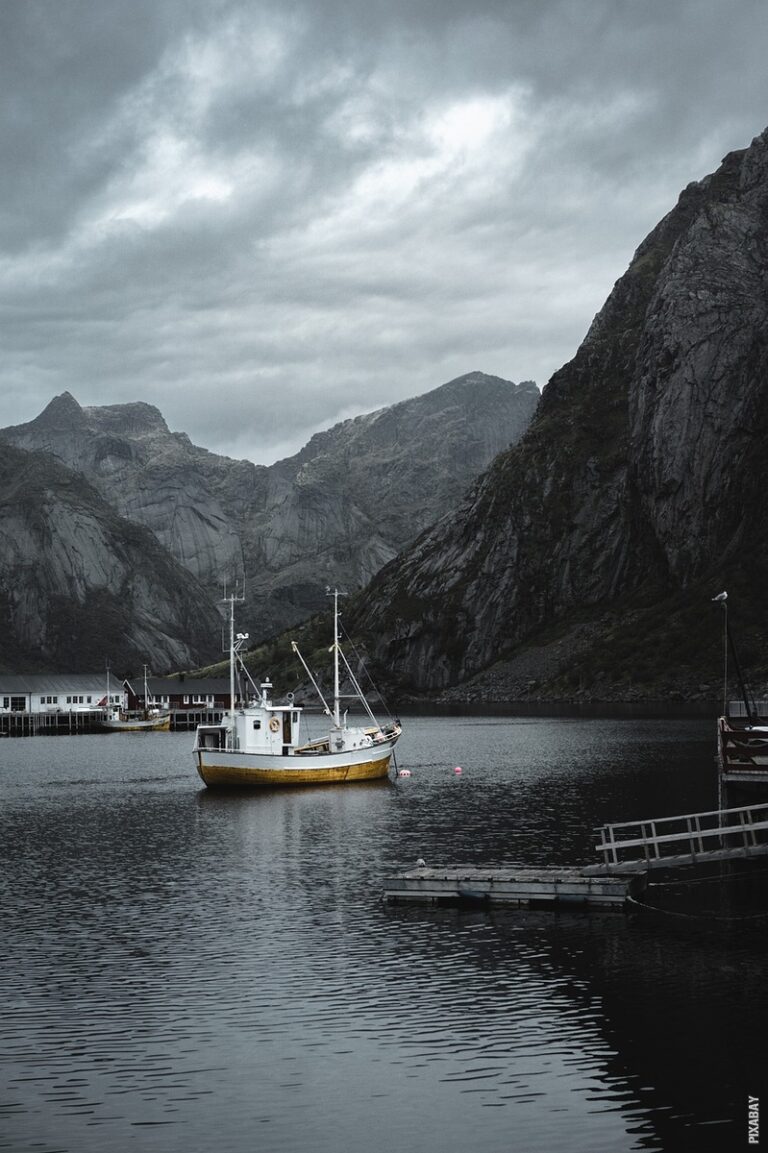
{"points": [[260, 727]]}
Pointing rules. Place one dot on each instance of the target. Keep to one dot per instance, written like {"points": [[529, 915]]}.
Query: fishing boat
{"points": [[260, 742], [116, 719]]}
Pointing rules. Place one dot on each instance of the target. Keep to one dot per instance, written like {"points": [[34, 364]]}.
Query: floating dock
{"points": [[545, 887]]}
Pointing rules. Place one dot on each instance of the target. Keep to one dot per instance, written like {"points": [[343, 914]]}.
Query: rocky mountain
{"points": [[586, 557], [332, 514], [80, 585]]}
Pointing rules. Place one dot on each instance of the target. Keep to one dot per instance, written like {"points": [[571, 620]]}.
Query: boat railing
{"points": [[738, 710], [743, 744]]}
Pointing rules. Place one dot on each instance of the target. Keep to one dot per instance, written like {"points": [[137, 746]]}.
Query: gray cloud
{"points": [[264, 217]]}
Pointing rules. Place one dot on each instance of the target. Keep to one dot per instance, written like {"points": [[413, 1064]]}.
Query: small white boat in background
{"points": [[261, 743], [119, 720]]}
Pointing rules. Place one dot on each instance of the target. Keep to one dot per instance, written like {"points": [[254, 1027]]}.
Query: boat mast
{"points": [[232, 661], [232, 600], [336, 705], [146, 692]]}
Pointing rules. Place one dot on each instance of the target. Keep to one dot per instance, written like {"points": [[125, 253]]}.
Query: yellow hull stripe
{"points": [[243, 775]]}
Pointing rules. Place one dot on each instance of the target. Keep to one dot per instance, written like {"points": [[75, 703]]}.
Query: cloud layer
{"points": [[264, 217]]}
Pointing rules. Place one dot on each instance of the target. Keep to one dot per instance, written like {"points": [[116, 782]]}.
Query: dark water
{"points": [[189, 971]]}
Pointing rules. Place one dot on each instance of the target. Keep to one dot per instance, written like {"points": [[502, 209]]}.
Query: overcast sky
{"points": [[264, 217]]}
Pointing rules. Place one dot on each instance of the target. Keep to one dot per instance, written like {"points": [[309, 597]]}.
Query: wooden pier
{"points": [[629, 851], [742, 746], [18, 724], [545, 887], [22, 724]]}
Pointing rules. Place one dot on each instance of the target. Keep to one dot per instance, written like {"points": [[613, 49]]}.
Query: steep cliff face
{"points": [[332, 514], [79, 585], [642, 475], [360, 492], [149, 475]]}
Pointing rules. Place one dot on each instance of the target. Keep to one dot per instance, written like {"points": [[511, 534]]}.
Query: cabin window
{"points": [[257, 724], [295, 718]]}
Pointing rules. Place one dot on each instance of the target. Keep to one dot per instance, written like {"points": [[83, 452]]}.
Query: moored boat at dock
{"points": [[261, 742], [117, 719]]}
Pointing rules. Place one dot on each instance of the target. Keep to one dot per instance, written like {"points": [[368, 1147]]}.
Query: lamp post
{"points": [[722, 598]]}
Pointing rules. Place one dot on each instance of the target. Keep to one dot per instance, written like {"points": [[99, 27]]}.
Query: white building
{"points": [[57, 692]]}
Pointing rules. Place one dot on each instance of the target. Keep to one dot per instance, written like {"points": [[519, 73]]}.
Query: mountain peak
{"points": [[62, 412]]}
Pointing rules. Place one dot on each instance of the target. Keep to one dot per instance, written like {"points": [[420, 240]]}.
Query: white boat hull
{"points": [[138, 725], [230, 767]]}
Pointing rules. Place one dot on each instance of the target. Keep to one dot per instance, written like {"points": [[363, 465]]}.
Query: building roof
{"points": [[63, 683], [56, 683], [173, 687]]}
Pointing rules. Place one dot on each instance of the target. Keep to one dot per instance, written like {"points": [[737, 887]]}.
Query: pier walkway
{"points": [[693, 838]]}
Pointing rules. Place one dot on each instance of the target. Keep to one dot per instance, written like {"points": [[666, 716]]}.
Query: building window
{"points": [[18, 704]]}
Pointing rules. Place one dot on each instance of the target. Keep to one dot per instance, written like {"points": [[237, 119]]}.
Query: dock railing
{"points": [[666, 841]]}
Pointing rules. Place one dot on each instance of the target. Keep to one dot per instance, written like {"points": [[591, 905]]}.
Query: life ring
{"points": [[274, 725]]}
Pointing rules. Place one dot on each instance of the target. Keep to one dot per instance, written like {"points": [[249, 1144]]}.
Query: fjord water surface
{"points": [[189, 970]]}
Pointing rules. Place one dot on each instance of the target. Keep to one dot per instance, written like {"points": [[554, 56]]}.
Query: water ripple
{"points": [[191, 969]]}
